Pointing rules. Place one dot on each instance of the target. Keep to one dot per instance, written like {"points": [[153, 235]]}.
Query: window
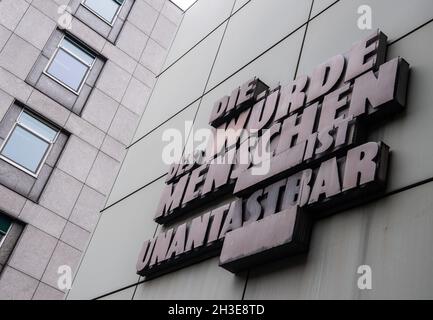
{"points": [[105, 9], [67, 69], [70, 64], [183, 4], [5, 224], [28, 143]]}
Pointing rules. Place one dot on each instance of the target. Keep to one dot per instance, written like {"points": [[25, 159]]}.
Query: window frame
{"points": [[37, 135], [89, 67], [83, 3]]}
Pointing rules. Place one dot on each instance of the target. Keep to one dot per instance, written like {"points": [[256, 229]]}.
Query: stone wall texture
{"points": [[58, 226]]}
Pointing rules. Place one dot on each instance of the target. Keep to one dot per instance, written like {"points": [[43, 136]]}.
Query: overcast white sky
{"points": [[183, 4]]}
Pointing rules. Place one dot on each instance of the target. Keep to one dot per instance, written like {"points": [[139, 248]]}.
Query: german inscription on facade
{"points": [[318, 161]]}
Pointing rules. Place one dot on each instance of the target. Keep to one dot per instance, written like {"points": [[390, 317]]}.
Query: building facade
{"points": [[221, 45], [75, 77]]}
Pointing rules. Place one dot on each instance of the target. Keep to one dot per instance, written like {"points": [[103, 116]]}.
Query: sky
{"points": [[183, 4]]}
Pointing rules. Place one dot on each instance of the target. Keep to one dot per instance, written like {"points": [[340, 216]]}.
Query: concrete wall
{"points": [[58, 225], [221, 44]]}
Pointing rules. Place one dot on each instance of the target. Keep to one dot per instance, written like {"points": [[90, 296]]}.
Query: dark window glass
{"points": [[5, 224]]}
